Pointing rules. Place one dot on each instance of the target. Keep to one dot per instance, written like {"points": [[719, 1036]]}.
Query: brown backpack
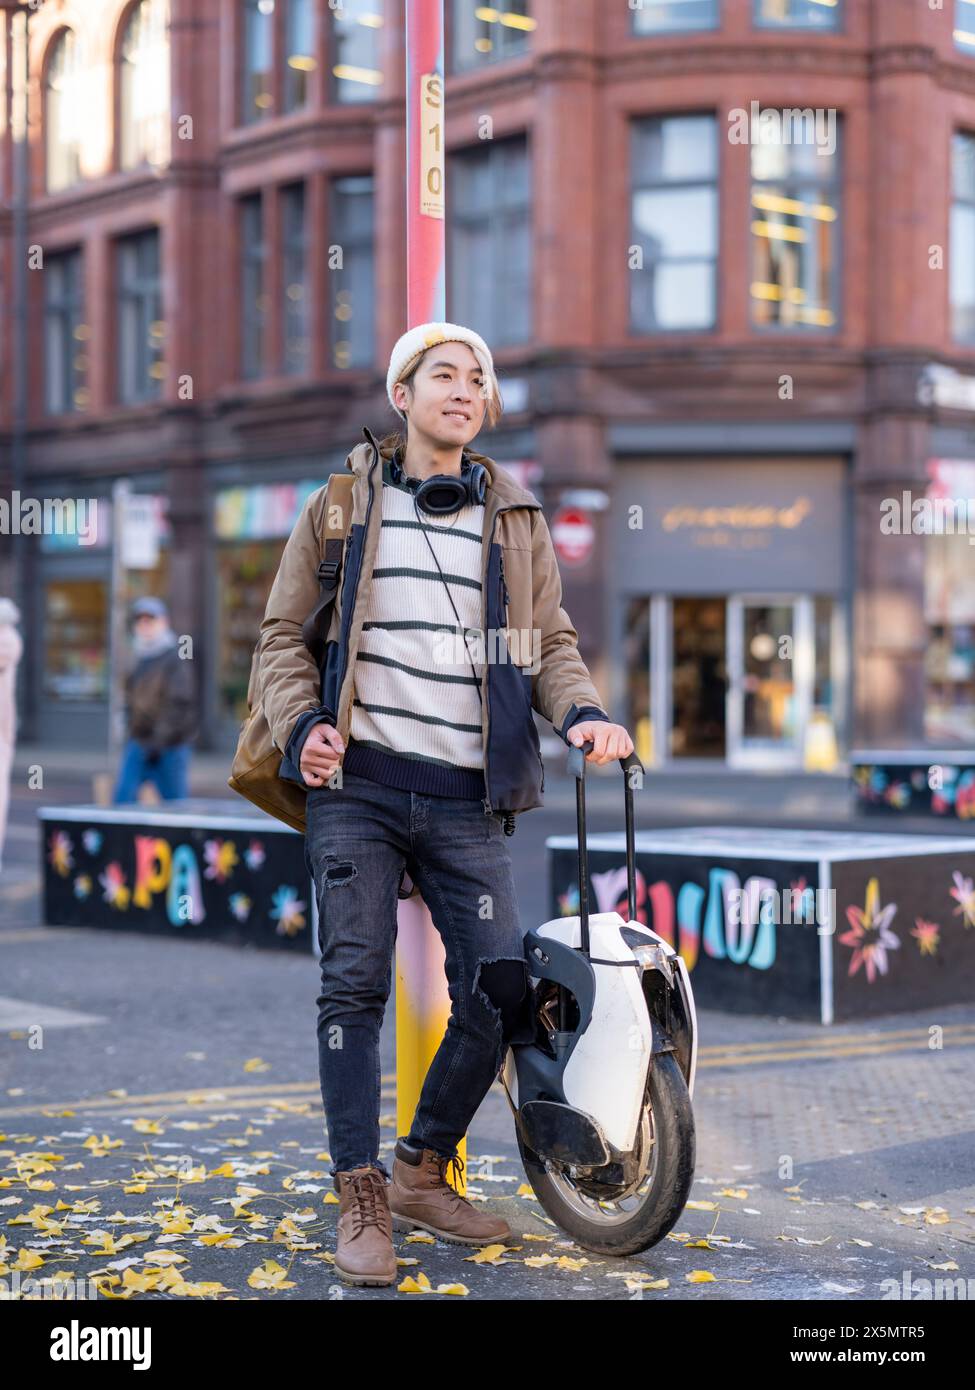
{"points": [[257, 761]]}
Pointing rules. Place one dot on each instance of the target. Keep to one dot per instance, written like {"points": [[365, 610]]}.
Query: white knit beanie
{"points": [[415, 342]]}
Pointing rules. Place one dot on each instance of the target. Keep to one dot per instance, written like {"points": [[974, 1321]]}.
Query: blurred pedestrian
{"points": [[11, 649], [160, 708]]}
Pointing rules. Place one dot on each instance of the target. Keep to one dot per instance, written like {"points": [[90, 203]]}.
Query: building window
{"points": [[141, 329], [65, 334], [63, 114], [351, 272], [253, 298], [257, 100], [294, 244], [962, 237], [489, 240], [675, 223], [355, 37], [488, 33], [299, 58], [965, 25], [795, 211], [674, 16], [144, 87], [799, 14]]}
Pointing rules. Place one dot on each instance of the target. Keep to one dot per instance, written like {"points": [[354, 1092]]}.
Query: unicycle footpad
{"points": [[562, 1133]]}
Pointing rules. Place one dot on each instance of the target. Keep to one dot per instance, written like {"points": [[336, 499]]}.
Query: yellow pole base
{"points": [[422, 1011]]}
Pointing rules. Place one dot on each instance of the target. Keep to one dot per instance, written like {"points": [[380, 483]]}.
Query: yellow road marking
{"points": [[826, 1039], [729, 1059]]}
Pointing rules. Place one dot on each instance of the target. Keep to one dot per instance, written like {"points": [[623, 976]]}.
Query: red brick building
{"points": [[723, 250]]}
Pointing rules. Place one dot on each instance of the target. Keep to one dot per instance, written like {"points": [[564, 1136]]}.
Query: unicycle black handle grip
{"points": [[576, 760]]}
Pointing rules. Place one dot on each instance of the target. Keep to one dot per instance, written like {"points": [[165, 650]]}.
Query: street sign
{"points": [[138, 532], [573, 535]]}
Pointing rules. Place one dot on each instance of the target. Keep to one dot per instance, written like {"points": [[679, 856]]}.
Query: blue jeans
{"points": [[170, 773], [359, 837]]}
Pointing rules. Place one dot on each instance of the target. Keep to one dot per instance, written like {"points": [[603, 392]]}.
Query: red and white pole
{"points": [[422, 999], [426, 299]]}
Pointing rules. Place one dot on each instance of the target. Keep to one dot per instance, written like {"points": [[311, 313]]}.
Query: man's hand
{"points": [[610, 741], [321, 754]]}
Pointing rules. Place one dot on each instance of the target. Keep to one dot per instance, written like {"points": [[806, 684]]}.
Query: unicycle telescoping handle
{"points": [[577, 766]]}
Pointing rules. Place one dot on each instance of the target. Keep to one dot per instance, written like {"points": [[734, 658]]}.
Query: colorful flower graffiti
{"points": [[928, 935], [240, 906], [60, 854], [874, 785], [221, 858], [117, 892], [870, 935], [288, 911], [964, 895], [957, 794]]}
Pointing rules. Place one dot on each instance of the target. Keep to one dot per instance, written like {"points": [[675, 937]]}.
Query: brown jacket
{"points": [[521, 593], [160, 700]]}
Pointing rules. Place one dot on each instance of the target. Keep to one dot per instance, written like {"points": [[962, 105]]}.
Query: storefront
{"points": [[251, 523], [732, 588], [72, 591]]}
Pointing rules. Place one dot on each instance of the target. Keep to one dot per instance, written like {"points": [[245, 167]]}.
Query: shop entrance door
{"points": [[770, 670], [698, 641]]}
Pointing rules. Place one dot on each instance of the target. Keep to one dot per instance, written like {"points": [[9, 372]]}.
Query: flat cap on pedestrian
{"points": [[154, 607]]}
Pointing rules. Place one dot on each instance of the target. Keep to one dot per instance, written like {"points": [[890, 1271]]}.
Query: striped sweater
{"points": [[416, 712]]}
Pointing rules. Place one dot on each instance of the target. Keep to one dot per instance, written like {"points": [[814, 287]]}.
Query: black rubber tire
{"points": [[673, 1119]]}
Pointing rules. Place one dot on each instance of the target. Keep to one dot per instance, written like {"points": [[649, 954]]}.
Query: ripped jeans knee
{"points": [[503, 986], [338, 872]]}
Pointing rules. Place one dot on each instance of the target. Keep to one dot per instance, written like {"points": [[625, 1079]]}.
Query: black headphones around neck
{"points": [[444, 493]]}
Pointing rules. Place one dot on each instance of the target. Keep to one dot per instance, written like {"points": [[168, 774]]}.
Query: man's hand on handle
{"points": [[610, 741], [321, 754]]}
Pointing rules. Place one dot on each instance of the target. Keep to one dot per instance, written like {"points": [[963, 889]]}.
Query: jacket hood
{"points": [[508, 492]]}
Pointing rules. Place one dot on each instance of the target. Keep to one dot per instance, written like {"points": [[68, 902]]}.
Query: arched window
{"points": [[144, 86], [63, 118]]}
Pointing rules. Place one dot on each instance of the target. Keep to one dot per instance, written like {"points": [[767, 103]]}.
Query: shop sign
{"points": [[264, 511]]}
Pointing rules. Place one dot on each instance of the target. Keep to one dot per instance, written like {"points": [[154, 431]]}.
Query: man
{"points": [[418, 748], [160, 708]]}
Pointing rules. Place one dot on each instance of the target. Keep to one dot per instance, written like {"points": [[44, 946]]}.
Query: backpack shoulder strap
{"points": [[337, 520]]}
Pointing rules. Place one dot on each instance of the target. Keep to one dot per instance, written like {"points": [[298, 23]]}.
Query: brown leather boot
{"points": [[420, 1195], [364, 1252]]}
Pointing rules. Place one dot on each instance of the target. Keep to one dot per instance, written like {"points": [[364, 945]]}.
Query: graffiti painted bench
{"points": [[826, 925], [915, 782], [195, 867]]}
